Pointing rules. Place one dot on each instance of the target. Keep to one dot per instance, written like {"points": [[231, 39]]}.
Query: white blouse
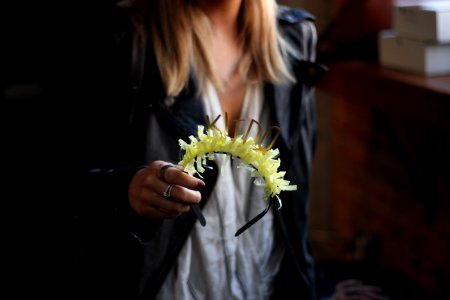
{"points": [[213, 263]]}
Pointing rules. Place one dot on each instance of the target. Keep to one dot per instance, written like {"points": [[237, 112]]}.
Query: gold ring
{"points": [[168, 191]]}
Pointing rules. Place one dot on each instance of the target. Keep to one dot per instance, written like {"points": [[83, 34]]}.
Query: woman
{"points": [[192, 59]]}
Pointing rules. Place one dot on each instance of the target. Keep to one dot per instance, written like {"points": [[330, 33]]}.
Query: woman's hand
{"points": [[150, 193]]}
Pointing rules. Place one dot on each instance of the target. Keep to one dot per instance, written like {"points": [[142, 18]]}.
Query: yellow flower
{"points": [[264, 163]]}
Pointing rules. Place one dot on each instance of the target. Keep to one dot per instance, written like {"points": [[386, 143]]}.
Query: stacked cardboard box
{"points": [[419, 41]]}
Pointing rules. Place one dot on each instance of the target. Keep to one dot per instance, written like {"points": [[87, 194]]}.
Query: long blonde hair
{"points": [[181, 32]]}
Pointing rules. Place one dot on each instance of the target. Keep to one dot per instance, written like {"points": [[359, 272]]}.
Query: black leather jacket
{"points": [[120, 254]]}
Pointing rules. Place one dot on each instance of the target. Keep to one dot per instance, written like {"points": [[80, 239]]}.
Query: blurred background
{"points": [[380, 209], [381, 189]]}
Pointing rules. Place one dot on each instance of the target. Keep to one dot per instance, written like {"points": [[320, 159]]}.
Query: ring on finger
{"points": [[167, 193], [162, 171]]}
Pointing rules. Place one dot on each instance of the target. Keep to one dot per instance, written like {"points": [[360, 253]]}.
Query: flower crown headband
{"points": [[262, 161]]}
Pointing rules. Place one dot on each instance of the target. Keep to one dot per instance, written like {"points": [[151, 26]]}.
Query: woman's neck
{"points": [[222, 13], [227, 52]]}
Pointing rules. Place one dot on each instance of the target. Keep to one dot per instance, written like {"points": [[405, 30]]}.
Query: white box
{"points": [[412, 55], [425, 20]]}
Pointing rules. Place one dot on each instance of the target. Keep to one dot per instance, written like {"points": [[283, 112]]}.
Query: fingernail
{"points": [[200, 185]]}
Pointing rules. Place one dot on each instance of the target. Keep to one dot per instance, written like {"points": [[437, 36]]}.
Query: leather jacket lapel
{"points": [[279, 98]]}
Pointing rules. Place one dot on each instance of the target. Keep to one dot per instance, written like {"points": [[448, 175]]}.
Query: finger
{"points": [[163, 170], [178, 193], [185, 189], [147, 189], [156, 206], [175, 174]]}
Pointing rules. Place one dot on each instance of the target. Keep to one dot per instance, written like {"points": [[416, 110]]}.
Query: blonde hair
{"points": [[181, 33]]}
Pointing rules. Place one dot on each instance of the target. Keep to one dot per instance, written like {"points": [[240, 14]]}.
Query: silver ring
{"points": [[168, 191], [162, 171]]}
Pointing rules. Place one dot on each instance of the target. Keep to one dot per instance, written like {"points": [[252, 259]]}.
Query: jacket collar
{"points": [[289, 15]]}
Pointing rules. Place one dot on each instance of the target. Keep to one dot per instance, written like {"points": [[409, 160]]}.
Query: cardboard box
{"points": [[429, 21], [412, 55]]}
